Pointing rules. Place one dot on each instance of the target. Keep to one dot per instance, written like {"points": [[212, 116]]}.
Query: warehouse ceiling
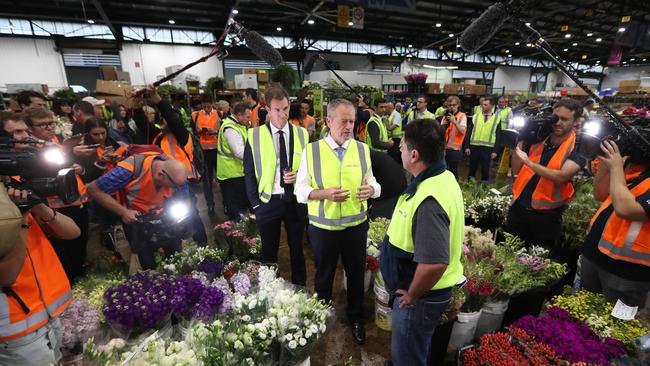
{"points": [[594, 25]]}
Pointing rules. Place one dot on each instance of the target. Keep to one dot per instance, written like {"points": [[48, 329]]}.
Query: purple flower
{"points": [[222, 284], [78, 321], [241, 283], [211, 267], [187, 291], [534, 264], [208, 305]]}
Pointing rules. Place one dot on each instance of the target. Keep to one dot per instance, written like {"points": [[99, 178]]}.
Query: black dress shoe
{"points": [[358, 333]]}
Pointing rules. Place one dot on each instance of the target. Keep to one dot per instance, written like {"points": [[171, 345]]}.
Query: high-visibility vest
{"points": [[453, 136], [445, 190], [208, 141], [42, 287], [547, 195], [264, 156], [308, 123], [57, 202], [327, 171], [140, 194], [503, 115], [439, 112], [185, 118], [622, 239], [383, 132], [228, 165], [484, 133], [107, 113], [255, 116], [397, 131], [172, 149], [412, 115]]}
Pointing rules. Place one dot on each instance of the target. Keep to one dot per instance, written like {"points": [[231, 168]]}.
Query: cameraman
{"points": [[35, 288], [543, 185], [615, 253], [455, 124]]}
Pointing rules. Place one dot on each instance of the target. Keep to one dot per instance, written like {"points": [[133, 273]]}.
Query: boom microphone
{"points": [[258, 45], [477, 34], [309, 65]]}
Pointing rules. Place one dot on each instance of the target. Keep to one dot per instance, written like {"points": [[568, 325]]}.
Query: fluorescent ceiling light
{"points": [[440, 67]]}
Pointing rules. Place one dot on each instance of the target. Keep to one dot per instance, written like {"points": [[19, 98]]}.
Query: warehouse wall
{"points": [[615, 74], [346, 62], [512, 78], [26, 60], [154, 58]]}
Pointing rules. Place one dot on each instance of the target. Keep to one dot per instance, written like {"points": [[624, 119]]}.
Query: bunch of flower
{"points": [[222, 284], [569, 338], [78, 322], [596, 312], [478, 244], [489, 211], [240, 239], [241, 283], [233, 343], [141, 302], [372, 263], [512, 348], [310, 85], [209, 303], [93, 286], [104, 354], [191, 259], [416, 78], [376, 231], [480, 284]]}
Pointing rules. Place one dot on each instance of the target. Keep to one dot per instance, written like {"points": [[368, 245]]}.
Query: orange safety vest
{"points": [[141, 194], [309, 122], [453, 136], [41, 291], [625, 240], [57, 202], [185, 155], [208, 141], [255, 118], [547, 195]]}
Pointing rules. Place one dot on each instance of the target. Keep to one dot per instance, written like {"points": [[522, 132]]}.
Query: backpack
{"points": [[199, 159]]}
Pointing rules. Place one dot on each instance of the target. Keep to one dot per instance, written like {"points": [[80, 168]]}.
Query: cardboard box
{"points": [[249, 70], [112, 88], [125, 101], [628, 89], [629, 83], [17, 88], [433, 88], [451, 88], [475, 89], [108, 72], [245, 81], [124, 76], [262, 76]]}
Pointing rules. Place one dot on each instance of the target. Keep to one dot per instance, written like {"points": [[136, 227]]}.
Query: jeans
{"points": [[40, 347], [599, 280], [413, 327]]}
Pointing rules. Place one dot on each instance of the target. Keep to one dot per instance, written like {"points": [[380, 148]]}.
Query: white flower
{"points": [[322, 328], [252, 304], [288, 337], [302, 342], [239, 344], [293, 345]]}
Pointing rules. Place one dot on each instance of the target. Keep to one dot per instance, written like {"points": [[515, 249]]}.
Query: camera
{"points": [[631, 142], [37, 169], [170, 221], [531, 127]]}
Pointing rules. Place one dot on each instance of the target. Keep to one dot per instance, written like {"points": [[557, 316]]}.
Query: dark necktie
{"points": [[283, 157]]}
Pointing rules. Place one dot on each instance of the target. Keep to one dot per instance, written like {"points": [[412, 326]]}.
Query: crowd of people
{"points": [[271, 157]]}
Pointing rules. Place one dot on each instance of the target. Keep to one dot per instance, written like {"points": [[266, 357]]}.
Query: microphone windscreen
{"points": [[262, 49], [309, 65], [477, 34]]}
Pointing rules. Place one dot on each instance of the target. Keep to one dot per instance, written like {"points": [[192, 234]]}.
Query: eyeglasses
{"points": [[45, 125]]}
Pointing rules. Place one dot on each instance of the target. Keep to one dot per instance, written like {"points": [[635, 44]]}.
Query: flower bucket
{"points": [[464, 328], [383, 312], [491, 317], [526, 303], [440, 343], [367, 281]]}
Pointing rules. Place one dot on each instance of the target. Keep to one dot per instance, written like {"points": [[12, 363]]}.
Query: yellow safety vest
{"points": [[383, 132], [411, 116], [445, 190], [261, 143], [484, 133], [397, 131], [228, 165], [327, 171], [439, 112], [503, 115]]}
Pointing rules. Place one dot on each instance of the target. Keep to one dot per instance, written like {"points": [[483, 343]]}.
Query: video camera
{"points": [[170, 221], [531, 127], [37, 167], [630, 141]]}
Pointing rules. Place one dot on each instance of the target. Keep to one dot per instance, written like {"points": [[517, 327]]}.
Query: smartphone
{"points": [[93, 146]]}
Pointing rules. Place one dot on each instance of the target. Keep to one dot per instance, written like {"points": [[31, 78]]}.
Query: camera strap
{"points": [[10, 292]]}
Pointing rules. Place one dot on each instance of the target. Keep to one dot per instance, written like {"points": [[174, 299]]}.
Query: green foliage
{"points": [[66, 94], [577, 216], [167, 90], [334, 90], [286, 76], [213, 84]]}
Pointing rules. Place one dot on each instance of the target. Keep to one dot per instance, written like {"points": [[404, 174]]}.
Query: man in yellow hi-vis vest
{"points": [[484, 138], [335, 180], [273, 152]]}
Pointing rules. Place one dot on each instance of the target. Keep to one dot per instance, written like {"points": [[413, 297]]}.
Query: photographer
{"points": [[543, 186], [455, 124], [35, 289], [615, 255]]}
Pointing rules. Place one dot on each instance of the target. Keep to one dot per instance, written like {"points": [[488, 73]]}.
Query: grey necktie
{"points": [[340, 151]]}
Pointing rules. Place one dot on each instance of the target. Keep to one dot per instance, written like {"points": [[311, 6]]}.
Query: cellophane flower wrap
{"points": [[569, 338]]}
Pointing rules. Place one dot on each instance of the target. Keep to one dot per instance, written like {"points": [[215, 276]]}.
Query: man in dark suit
{"points": [[271, 159]]}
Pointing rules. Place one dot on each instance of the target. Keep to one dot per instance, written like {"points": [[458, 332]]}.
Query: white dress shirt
{"points": [[235, 141], [303, 180], [277, 189]]}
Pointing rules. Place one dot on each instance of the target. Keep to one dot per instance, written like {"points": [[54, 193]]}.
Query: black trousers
{"points": [[394, 152], [145, 248], [235, 201], [453, 158], [535, 227], [199, 236], [72, 253], [210, 157], [480, 155], [269, 217], [350, 245]]}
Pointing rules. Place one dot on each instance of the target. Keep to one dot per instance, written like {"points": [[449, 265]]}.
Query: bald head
{"points": [[169, 173]]}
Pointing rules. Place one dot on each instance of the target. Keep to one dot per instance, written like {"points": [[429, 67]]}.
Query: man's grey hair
{"points": [[332, 105]]}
